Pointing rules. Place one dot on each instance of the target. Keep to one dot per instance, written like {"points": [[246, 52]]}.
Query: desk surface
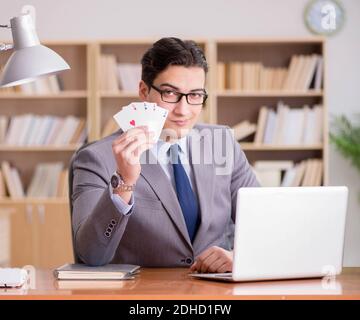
{"points": [[176, 284]]}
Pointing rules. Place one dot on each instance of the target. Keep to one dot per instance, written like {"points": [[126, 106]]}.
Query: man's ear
{"points": [[143, 90]]}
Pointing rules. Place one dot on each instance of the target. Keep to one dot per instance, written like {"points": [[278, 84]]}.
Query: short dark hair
{"points": [[171, 52]]}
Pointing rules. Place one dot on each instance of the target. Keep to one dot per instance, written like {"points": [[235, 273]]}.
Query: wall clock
{"points": [[324, 17]]}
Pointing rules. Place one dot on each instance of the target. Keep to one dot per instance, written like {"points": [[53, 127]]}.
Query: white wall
{"points": [[90, 19]]}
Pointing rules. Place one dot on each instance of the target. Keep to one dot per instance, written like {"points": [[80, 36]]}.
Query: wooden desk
{"points": [[176, 284]]}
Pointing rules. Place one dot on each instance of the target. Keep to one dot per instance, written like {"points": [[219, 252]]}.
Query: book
{"points": [[108, 73], [309, 172], [269, 172], [45, 180], [2, 185], [293, 127], [300, 169], [288, 79], [234, 76], [289, 177], [319, 74], [9, 179], [310, 72], [282, 111], [243, 129], [3, 128], [273, 164], [17, 183], [129, 75], [262, 118], [77, 134], [106, 272], [319, 173], [63, 185], [268, 178], [270, 127], [221, 77]]}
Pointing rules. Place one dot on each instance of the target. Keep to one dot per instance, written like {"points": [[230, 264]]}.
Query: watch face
{"points": [[114, 181], [324, 17]]}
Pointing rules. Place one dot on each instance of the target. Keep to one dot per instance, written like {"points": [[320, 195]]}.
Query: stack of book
{"points": [[43, 85], [35, 130], [304, 73], [285, 126], [116, 76], [287, 174], [107, 272], [49, 180]]}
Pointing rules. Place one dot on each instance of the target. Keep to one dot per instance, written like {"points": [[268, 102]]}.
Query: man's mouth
{"points": [[181, 122]]}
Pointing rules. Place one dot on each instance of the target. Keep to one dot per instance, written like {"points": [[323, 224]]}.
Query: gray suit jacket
{"points": [[154, 233]]}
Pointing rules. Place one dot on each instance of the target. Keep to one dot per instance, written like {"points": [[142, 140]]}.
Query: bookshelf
{"points": [[230, 106], [40, 227]]}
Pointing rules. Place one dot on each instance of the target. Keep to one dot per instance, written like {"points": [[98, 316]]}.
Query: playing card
{"points": [[140, 114]]}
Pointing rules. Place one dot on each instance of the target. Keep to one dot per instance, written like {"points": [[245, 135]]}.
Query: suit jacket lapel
{"points": [[152, 172]]}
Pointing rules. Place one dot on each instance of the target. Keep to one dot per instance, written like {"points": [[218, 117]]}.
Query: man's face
{"points": [[182, 116]]}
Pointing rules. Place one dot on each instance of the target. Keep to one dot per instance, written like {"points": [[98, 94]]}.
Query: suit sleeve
{"points": [[97, 224], [242, 175]]}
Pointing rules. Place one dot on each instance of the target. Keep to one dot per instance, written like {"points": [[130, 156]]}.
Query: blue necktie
{"points": [[186, 196]]}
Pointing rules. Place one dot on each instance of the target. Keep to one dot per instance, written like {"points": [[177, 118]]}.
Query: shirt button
{"points": [[189, 260]]}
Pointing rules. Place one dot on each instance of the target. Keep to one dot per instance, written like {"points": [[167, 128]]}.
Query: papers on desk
{"points": [[107, 272]]}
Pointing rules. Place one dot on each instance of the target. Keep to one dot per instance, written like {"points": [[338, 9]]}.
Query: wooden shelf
{"points": [[249, 146], [61, 95], [278, 93], [120, 94], [271, 41], [54, 148]]}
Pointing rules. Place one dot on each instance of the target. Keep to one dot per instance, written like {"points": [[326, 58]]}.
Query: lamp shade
{"points": [[30, 59]]}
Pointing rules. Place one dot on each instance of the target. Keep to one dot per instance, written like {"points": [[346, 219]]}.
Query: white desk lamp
{"points": [[30, 59]]}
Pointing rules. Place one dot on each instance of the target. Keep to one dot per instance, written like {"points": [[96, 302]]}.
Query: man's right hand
{"points": [[127, 150]]}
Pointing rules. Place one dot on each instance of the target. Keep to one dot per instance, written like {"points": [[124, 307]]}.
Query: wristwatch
{"points": [[118, 183]]}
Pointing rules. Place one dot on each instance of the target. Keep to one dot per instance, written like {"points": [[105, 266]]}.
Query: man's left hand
{"points": [[213, 259]]}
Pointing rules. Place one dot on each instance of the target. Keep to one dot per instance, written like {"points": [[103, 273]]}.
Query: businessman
{"points": [[163, 204]]}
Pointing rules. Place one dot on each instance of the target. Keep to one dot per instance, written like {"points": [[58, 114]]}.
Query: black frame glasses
{"points": [[179, 95]]}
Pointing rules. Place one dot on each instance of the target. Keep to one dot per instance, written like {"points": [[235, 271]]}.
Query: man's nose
{"points": [[182, 107]]}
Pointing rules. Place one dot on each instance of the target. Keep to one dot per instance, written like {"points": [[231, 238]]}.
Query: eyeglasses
{"points": [[172, 96]]}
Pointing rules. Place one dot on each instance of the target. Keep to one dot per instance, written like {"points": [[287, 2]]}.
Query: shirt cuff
{"points": [[119, 203]]}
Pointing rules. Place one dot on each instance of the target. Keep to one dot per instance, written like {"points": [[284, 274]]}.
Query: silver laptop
{"points": [[287, 233]]}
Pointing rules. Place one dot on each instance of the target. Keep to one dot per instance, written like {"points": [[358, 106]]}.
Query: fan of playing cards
{"points": [[142, 114]]}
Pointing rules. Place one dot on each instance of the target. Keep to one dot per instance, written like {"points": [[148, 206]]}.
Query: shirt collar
{"points": [[160, 149]]}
